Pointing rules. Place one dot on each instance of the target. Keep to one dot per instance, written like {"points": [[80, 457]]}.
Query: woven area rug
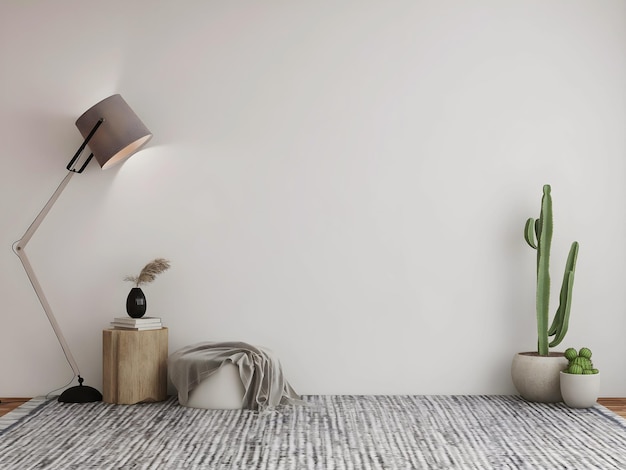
{"points": [[329, 433]]}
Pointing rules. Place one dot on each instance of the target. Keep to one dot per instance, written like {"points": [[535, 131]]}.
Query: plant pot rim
{"points": [[536, 354], [581, 375]]}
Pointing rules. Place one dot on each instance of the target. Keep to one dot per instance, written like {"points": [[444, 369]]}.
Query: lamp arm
{"points": [[21, 244], [19, 249]]}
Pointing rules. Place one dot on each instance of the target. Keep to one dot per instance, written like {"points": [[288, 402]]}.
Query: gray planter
{"points": [[580, 391], [536, 378]]}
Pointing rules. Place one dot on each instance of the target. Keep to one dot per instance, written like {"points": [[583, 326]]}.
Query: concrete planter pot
{"points": [[580, 390], [536, 378]]}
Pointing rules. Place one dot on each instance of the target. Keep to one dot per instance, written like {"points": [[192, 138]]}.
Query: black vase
{"points": [[136, 303]]}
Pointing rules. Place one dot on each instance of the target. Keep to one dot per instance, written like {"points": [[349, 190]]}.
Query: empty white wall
{"points": [[343, 182]]}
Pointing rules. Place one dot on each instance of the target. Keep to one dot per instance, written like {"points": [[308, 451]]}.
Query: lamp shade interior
{"points": [[119, 136]]}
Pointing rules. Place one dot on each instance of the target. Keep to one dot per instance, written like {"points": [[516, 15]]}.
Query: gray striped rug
{"points": [[329, 433]]}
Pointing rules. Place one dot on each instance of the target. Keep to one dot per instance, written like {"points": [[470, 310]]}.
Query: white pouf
{"points": [[222, 390]]}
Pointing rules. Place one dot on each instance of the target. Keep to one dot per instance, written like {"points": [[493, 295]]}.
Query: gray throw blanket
{"points": [[260, 371]]}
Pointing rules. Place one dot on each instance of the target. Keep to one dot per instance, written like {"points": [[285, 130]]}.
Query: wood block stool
{"points": [[134, 366]]}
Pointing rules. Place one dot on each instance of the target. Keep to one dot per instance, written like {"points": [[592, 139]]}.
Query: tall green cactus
{"points": [[542, 228]]}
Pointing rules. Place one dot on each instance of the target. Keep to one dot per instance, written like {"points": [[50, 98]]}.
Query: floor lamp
{"points": [[113, 132]]}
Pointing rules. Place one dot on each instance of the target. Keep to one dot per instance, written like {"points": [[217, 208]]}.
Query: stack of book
{"points": [[137, 324]]}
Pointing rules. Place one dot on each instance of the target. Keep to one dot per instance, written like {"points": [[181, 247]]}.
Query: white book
{"points": [[122, 326], [137, 321]]}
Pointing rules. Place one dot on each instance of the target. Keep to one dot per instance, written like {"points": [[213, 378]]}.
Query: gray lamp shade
{"points": [[119, 136]]}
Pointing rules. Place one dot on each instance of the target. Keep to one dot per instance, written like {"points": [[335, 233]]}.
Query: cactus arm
{"points": [[561, 319], [529, 234], [566, 291], [564, 323], [543, 273], [538, 229]]}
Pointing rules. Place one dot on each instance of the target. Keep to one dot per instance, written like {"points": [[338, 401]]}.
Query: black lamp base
{"points": [[80, 394]]}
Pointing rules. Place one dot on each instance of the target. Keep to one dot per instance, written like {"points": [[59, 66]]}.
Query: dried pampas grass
{"points": [[149, 272]]}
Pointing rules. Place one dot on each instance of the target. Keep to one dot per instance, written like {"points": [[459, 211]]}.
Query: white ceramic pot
{"points": [[580, 390], [536, 377]]}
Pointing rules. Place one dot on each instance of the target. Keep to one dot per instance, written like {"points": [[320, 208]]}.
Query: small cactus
{"points": [[579, 362], [575, 369], [582, 361], [570, 353]]}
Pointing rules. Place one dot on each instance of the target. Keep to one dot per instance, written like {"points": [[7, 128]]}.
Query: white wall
{"points": [[343, 182]]}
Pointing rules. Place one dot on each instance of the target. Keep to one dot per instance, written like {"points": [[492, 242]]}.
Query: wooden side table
{"points": [[134, 366]]}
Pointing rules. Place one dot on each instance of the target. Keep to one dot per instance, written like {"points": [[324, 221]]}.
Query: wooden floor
{"points": [[617, 405], [9, 404]]}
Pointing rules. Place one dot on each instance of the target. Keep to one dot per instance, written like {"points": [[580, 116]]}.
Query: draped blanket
{"points": [[260, 370]]}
